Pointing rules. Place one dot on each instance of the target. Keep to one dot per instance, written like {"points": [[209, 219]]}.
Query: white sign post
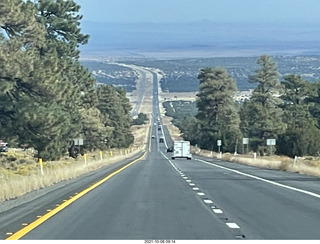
{"points": [[219, 143]]}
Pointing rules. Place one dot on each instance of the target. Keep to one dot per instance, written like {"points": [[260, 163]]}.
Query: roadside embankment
{"points": [[301, 165], [20, 173], [24, 175]]}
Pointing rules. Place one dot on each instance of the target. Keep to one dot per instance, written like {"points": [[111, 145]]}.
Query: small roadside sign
{"points": [[271, 142], [245, 141], [78, 142]]}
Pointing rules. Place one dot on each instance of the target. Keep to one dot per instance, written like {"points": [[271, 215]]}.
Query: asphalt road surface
{"points": [[160, 198], [155, 197]]}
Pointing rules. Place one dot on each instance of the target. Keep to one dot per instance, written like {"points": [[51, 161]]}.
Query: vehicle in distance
{"points": [[161, 139], [153, 137], [3, 146], [170, 149], [181, 149]]}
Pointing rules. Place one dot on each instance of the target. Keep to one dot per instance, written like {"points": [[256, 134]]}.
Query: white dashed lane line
{"points": [[217, 211], [233, 225], [209, 202]]}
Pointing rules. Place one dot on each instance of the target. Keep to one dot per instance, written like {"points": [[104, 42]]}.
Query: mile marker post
{"points": [[41, 166], [85, 158]]}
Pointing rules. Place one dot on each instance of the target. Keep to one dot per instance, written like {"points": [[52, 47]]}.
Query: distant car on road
{"points": [[3, 147], [170, 149]]}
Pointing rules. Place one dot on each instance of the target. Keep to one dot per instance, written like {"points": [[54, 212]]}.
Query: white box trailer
{"points": [[181, 149]]}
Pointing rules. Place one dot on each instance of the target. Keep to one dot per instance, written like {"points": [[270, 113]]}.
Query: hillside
{"points": [[181, 74]]}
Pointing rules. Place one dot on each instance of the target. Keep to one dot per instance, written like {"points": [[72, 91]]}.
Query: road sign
{"points": [[271, 142], [245, 141], [219, 143], [78, 142]]}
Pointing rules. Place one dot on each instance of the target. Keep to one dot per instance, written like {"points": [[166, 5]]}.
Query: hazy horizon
{"points": [[188, 28], [199, 39]]}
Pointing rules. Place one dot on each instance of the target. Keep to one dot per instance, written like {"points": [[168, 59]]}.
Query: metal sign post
{"points": [[245, 141], [219, 143]]}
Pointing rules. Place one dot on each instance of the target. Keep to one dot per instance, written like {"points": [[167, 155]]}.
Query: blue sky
{"points": [[261, 11]]}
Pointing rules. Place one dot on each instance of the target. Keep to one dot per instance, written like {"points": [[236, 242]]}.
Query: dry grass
{"points": [[175, 132], [303, 165], [20, 173], [27, 177]]}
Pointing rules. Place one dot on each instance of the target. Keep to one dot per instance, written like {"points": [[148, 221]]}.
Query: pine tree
{"points": [[314, 101], [44, 85], [190, 129], [217, 110], [262, 114], [94, 132], [62, 22], [115, 107], [301, 135]]}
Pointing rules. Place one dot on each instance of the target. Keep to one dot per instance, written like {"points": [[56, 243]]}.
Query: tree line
{"points": [[47, 98], [286, 110]]}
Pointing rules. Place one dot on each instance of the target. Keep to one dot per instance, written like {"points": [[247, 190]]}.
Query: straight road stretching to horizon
{"points": [[199, 199]]}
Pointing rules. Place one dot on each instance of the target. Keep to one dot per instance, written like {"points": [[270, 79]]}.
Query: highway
{"points": [[144, 80], [157, 198]]}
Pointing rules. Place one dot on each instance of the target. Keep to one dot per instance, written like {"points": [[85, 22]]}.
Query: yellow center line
{"points": [[17, 235]]}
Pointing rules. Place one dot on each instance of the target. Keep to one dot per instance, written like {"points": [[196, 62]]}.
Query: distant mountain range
{"points": [[199, 39]]}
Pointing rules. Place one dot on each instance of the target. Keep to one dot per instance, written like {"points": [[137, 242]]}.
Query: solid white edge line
{"points": [[262, 179]]}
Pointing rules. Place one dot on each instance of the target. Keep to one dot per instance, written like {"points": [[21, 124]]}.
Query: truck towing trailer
{"points": [[181, 149]]}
